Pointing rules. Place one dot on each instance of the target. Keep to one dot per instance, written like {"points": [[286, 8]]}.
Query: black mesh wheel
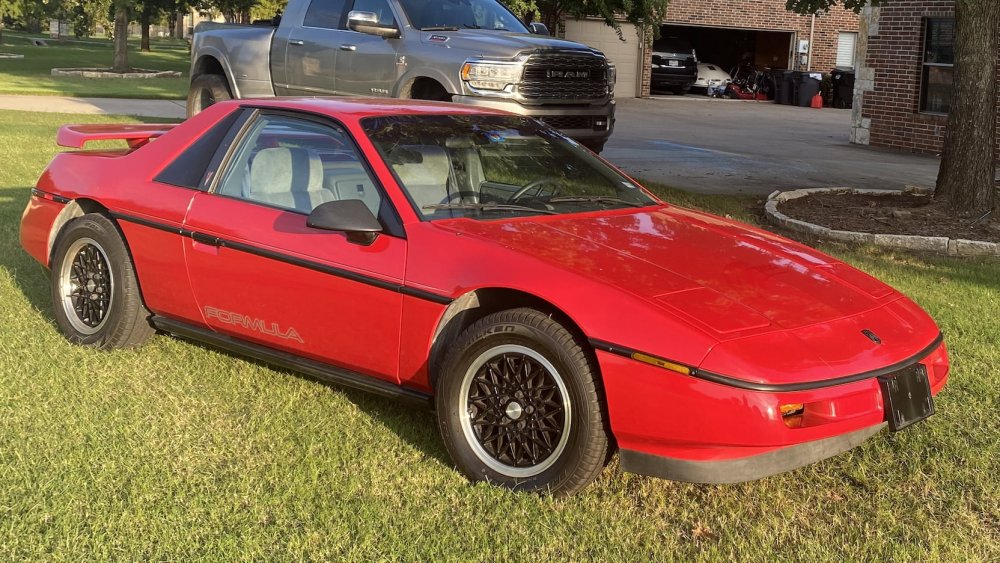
{"points": [[95, 293], [519, 404]]}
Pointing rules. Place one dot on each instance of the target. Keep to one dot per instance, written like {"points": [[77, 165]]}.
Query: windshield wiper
{"points": [[439, 28], [471, 26], [593, 199], [489, 207]]}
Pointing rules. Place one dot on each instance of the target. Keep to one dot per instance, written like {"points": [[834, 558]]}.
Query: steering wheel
{"points": [[535, 185]]}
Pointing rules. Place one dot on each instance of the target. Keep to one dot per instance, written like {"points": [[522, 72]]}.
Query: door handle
{"points": [[296, 42], [346, 47]]}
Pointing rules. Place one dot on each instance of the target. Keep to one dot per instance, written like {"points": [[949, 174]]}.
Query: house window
{"points": [[846, 43], [938, 65]]}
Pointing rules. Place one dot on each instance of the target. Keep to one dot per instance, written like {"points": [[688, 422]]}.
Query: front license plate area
{"points": [[673, 63], [907, 396]]}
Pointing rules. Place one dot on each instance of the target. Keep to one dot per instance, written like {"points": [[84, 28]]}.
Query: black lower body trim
{"points": [[745, 468], [312, 368]]}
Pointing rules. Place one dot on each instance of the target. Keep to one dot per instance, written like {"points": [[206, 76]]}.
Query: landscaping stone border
{"points": [[937, 245], [11, 56], [106, 73]]}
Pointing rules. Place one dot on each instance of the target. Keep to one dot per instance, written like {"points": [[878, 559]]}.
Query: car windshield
{"points": [[443, 15], [490, 166]]}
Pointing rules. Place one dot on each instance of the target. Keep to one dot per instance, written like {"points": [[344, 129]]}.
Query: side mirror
{"points": [[367, 22], [538, 28], [349, 216]]}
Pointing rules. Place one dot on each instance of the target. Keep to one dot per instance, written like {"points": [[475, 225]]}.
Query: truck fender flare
{"points": [[208, 51], [405, 82]]}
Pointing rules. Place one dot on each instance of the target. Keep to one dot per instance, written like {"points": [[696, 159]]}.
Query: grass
{"points": [[32, 74], [176, 451]]}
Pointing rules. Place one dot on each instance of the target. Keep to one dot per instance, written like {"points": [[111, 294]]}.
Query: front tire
{"points": [[519, 404], [206, 90], [95, 294]]}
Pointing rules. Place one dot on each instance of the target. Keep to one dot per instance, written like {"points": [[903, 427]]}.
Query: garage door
{"points": [[624, 54]]}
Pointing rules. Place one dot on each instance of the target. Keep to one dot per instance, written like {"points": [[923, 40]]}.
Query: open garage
{"points": [[726, 47]]}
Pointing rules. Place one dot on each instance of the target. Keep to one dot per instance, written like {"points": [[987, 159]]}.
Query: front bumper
{"points": [[747, 468], [581, 122], [685, 428]]}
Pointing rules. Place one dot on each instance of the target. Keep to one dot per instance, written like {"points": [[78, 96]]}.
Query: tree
{"points": [[235, 11], [967, 177], [121, 9], [646, 15]]}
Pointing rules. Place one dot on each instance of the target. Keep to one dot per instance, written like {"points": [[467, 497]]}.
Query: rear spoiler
{"points": [[75, 136]]}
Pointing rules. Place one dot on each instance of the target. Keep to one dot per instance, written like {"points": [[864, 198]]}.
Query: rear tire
{"points": [[596, 146], [95, 295], [206, 90], [519, 404]]}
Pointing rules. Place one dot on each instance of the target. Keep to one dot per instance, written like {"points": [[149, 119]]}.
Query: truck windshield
{"points": [[461, 14], [490, 167]]}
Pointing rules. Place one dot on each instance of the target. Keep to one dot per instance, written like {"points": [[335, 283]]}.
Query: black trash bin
{"points": [[806, 86], [785, 82], [843, 88]]}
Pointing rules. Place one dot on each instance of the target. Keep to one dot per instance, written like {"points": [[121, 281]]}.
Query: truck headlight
{"points": [[491, 75], [612, 78]]}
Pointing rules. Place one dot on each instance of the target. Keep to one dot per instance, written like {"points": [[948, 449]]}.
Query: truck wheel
{"points": [[205, 91], [95, 294], [596, 146], [519, 404]]}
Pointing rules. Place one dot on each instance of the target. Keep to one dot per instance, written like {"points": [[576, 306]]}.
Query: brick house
{"points": [[903, 91], [722, 32]]}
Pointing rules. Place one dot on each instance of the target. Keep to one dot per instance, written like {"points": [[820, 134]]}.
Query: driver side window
{"points": [[296, 164]]}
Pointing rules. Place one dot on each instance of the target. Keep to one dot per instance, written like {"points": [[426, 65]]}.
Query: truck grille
{"points": [[561, 76], [569, 121]]}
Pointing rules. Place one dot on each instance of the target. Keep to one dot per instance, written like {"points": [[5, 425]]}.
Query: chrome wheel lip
{"points": [[65, 285], [465, 419]]}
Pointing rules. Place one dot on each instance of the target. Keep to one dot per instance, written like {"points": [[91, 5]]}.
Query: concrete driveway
{"points": [[726, 146]]}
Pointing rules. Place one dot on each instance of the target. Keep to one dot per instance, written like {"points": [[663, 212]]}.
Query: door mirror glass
{"points": [[538, 28], [368, 22], [349, 216]]}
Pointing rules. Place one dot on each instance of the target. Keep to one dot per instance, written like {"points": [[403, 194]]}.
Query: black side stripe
{"points": [[287, 259], [776, 387], [45, 195]]}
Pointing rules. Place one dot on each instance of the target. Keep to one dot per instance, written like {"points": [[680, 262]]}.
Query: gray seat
{"points": [[424, 171], [348, 180], [288, 177]]}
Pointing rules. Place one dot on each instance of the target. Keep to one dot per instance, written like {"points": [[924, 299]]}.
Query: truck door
{"points": [[367, 64], [312, 49]]}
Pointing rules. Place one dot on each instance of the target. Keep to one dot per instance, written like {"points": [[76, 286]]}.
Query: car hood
{"points": [[498, 43], [728, 278]]}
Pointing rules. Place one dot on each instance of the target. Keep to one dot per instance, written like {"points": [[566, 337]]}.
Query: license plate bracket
{"points": [[907, 396]]}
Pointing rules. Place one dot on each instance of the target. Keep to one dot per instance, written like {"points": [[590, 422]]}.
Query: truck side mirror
{"points": [[367, 22], [538, 28]]}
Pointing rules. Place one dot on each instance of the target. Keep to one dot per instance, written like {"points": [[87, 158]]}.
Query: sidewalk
{"points": [[173, 109]]}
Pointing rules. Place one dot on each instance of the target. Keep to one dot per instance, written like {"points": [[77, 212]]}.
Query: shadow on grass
{"points": [[416, 426]]}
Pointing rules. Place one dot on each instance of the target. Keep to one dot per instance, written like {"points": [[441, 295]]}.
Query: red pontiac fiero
{"points": [[549, 307]]}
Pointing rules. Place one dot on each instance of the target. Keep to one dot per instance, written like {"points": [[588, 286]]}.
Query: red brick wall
{"points": [[771, 15], [895, 53]]}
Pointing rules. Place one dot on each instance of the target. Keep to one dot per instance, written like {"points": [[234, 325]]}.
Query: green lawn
{"points": [[176, 451], [32, 74]]}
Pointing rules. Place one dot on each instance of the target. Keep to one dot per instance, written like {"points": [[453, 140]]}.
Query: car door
{"points": [[260, 274], [367, 64], [311, 50]]}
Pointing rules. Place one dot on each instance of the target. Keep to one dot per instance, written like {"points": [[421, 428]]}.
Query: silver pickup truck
{"points": [[466, 51]]}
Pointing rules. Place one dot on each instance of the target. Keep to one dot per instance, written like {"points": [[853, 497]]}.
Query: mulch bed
{"points": [[893, 214]]}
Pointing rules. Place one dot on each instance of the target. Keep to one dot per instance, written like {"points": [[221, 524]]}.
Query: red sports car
{"points": [[549, 307]]}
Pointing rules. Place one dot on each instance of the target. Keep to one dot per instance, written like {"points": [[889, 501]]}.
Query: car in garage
{"points": [[549, 308], [674, 65], [711, 77]]}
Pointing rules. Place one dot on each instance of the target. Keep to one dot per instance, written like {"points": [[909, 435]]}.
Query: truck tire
{"points": [[596, 146], [205, 91]]}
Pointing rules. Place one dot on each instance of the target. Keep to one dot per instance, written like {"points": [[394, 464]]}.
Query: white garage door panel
{"points": [[624, 54]]}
